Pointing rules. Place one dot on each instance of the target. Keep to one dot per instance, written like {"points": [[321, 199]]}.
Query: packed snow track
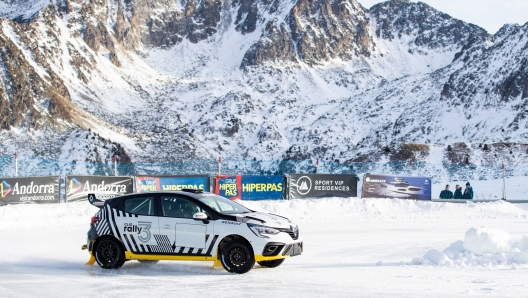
{"points": [[353, 247]]}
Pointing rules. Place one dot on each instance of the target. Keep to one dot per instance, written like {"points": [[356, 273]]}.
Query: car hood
{"points": [[265, 219]]}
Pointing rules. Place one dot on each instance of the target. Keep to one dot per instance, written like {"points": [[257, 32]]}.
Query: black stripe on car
{"points": [[134, 241], [129, 247], [211, 246]]}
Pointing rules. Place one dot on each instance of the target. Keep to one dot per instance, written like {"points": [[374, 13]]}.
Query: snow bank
{"points": [[487, 241], [481, 247], [14, 218], [354, 208], [47, 216]]}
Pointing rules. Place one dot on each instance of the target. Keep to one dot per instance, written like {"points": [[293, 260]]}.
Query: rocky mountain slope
{"points": [[253, 79]]}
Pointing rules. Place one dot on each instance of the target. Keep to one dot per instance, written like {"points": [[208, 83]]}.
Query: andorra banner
{"points": [[397, 187], [251, 188], [165, 183], [78, 187], [18, 190], [322, 185]]}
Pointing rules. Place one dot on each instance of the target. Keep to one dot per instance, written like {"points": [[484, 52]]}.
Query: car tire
{"points": [[236, 256], [272, 263], [148, 262], [109, 254]]}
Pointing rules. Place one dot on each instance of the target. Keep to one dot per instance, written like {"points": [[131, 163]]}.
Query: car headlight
{"points": [[262, 231]]}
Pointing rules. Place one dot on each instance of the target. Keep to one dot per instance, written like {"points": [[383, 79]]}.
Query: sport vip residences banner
{"points": [[30, 190], [164, 183], [251, 188], [322, 186], [398, 187], [78, 187]]}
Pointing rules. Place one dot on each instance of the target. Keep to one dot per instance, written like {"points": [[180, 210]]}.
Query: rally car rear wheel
{"points": [[271, 264], [109, 254], [237, 257]]}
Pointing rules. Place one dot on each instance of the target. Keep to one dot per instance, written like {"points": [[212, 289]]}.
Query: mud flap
{"points": [[217, 264], [91, 261]]}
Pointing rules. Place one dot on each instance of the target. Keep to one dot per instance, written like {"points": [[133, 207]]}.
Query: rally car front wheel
{"points": [[237, 257], [109, 254]]}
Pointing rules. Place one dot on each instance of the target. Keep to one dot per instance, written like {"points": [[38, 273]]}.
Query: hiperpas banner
{"points": [[322, 185], [17, 190], [229, 187], [256, 188], [398, 187], [78, 187], [164, 183], [251, 188]]}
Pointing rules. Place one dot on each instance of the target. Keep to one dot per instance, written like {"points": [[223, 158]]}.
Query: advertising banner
{"points": [[229, 187], [78, 187], [251, 188], [322, 185], [165, 183], [256, 188], [397, 187], [18, 190]]}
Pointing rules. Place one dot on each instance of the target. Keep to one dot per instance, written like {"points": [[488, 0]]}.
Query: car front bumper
{"points": [[275, 247]]}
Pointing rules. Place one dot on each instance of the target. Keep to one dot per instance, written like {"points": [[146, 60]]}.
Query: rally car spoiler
{"points": [[98, 200]]}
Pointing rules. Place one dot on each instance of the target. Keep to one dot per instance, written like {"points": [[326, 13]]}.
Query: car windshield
{"points": [[223, 205]]}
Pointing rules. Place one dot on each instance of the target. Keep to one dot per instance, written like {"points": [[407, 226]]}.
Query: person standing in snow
{"points": [[468, 192], [458, 192], [446, 193]]}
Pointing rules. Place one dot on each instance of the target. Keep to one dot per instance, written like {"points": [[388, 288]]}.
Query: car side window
{"points": [[173, 206], [140, 206]]}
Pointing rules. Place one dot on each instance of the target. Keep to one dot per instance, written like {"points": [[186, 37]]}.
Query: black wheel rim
{"points": [[237, 256], [107, 253]]}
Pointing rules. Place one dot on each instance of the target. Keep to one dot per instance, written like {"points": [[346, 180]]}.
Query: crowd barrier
{"points": [[488, 178]]}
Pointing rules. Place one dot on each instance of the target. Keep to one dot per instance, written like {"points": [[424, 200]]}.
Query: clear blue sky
{"points": [[488, 14]]}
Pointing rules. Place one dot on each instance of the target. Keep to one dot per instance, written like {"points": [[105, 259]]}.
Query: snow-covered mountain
{"points": [[264, 79]]}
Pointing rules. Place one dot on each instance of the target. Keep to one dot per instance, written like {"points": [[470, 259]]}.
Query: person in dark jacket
{"points": [[468, 192], [458, 192], [446, 193]]}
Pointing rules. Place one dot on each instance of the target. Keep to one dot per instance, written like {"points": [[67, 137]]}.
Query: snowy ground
{"points": [[353, 247]]}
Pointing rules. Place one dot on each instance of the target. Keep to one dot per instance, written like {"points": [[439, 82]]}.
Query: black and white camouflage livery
{"points": [[201, 235]]}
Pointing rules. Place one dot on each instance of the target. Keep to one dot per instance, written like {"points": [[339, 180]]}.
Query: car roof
{"points": [[190, 194]]}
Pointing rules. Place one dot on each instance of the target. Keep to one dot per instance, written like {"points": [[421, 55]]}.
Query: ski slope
{"points": [[353, 248]]}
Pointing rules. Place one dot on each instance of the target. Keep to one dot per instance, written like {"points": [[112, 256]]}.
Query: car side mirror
{"points": [[201, 216]]}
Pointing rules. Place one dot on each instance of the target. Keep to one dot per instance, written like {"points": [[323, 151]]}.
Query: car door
{"points": [[186, 235], [137, 223]]}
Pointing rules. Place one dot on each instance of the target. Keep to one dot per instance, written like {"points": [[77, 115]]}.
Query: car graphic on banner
{"points": [[397, 187]]}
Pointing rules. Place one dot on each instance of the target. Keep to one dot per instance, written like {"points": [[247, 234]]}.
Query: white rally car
{"points": [[188, 225]]}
